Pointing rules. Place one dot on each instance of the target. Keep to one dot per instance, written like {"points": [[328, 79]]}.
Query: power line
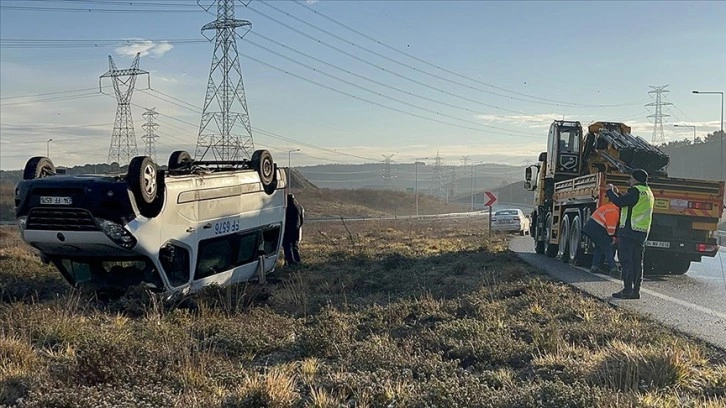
{"points": [[452, 72], [82, 43], [540, 101], [385, 96], [55, 99], [380, 104], [48, 93], [378, 82]]}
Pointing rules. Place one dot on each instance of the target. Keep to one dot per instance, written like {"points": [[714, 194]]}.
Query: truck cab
{"points": [[564, 150]]}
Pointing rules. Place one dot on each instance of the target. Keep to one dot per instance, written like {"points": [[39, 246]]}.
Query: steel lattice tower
{"points": [[123, 138], [150, 137], [387, 176], [437, 182], [658, 116], [225, 128]]}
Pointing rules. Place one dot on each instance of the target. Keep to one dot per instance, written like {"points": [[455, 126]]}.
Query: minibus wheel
{"points": [[143, 179], [262, 162], [38, 167], [179, 159]]}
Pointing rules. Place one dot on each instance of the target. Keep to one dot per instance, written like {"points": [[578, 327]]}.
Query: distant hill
{"points": [[454, 180]]}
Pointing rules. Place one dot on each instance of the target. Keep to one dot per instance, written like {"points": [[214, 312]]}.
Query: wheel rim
{"points": [[149, 180], [575, 233], [267, 168], [45, 171]]}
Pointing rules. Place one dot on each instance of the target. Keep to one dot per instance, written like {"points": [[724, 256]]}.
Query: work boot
{"points": [[623, 294], [633, 295], [615, 272], [595, 269]]}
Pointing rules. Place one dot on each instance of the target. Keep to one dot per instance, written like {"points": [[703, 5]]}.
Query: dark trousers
{"points": [[292, 252], [604, 253], [630, 253]]}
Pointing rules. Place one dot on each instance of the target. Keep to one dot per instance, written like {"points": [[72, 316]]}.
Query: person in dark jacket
{"points": [[636, 215], [291, 237]]}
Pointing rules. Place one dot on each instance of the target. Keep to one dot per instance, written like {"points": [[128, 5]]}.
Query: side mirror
{"points": [[542, 157], [527, 185], [528, 174]]}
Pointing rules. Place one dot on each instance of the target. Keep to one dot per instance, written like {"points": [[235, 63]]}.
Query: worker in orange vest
{"points": [[601, 228]]}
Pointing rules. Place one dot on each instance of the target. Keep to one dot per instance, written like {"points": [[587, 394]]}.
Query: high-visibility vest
{"points": [[641, 214], [607, 216]]}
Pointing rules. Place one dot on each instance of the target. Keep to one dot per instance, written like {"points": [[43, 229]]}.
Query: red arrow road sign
{"points": [[492, 198]]}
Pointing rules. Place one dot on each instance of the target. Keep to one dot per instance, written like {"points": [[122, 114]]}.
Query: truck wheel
{"points": [[577, 253], [143, 179], [549, 248], [536, 233], [675, 265], [38, 167], [563, 252], [179, 159], [664, 264]]}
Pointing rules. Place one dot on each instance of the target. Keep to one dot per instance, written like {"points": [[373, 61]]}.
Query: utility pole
{"points": [[658, 116], [123, 139], [150, 137], [225, 130]]}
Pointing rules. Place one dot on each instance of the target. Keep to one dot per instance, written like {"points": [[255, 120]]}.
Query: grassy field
{"points": [[382, 314], [325, 203]]}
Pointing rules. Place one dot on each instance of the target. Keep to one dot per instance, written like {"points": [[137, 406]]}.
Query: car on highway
{"points": [[510, 220], [194, 224]]}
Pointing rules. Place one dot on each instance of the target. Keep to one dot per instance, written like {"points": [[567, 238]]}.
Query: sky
{"points": [[352, 81]]}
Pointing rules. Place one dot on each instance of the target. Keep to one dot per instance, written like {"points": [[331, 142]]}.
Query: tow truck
{"points": [[569, 183]]}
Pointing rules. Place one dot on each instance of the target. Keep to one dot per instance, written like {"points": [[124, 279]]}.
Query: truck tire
{"points": [[549, 248], [680, 268], [38, 167], [665, 264], [563, 252], [577, 253], [536, 233]]}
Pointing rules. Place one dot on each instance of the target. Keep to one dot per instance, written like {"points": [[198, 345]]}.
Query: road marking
{"points": [[665, 297]]}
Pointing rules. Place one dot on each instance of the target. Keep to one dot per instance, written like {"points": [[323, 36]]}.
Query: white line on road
{"points": [[666, 297]]}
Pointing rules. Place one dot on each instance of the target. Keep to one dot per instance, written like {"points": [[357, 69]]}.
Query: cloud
{"points": [[144, 47]]}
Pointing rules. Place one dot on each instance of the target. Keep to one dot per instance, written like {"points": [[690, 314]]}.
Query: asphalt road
{"points": [[694, 303]]}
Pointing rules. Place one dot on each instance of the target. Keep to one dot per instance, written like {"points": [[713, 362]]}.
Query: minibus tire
{"points": [[262, 162], [179, 160], [143, 180], [38, 167]]}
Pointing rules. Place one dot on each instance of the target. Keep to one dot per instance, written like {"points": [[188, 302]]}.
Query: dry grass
{"points": [[395, 313], [326, 203]]}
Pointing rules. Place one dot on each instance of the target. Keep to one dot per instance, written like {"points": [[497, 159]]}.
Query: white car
{"points": [[510, 220], [196, 224]]}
